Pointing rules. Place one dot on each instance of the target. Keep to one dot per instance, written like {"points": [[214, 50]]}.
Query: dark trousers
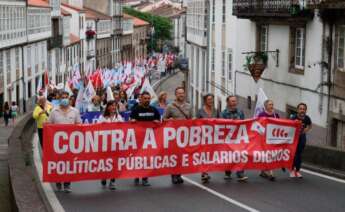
{"points": [[6, 121], [40, 136], [238, 173], [298, 156]]}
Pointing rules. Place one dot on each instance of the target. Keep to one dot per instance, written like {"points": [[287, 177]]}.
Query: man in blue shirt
{"points": [[232, 112]]}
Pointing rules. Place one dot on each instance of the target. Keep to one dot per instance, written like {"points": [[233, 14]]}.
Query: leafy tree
{"points": [[162, 27]]}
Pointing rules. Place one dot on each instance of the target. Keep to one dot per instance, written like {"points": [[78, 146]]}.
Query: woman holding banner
{"points": [[269, 113], [123, 105], [207, 111], [110, 115]]}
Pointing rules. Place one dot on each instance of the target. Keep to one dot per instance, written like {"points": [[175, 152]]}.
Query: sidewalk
{"points": [[5, 133]]}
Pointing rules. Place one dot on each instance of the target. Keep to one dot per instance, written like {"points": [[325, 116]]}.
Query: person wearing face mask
{"points": [[64, 114], [95, 106], [269, 113], [145, 112], [306, 127], [41, 114], [110, 115]]}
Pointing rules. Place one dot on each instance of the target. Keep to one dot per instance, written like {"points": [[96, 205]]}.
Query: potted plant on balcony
{"points": [[256, 64], [90, 34]]}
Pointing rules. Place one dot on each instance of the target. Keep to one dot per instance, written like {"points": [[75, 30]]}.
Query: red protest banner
{"points": [[128, 150]]}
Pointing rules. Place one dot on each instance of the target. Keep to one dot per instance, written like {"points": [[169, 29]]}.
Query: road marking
{"points": [[323, 176], [228, 199], [46, 187]]}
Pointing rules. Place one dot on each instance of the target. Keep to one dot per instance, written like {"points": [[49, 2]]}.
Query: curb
{"points": [[325, 171], [22, 179], [46, 190]]}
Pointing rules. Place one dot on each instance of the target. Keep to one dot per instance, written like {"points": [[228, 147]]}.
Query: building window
{"points": [[297, 49], [229, 64], [263, 37], [8, 66], [36, 59], [224, 11], [1, 67], [214, 11], [300, 48], [223, 64], [213, 58], [340, 48], [17, 58]]}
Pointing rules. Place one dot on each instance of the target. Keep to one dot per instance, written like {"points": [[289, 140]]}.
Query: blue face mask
{"points": [[64, 102]]}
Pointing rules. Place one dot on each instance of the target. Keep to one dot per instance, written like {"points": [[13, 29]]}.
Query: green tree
{"points": [[162, 26]]}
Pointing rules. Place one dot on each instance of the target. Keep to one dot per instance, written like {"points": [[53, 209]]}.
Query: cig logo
{"points": [[277, 134]]}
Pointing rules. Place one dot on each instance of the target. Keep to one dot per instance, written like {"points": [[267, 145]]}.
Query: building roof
{"points": [[78, 9], [73, 39], [131, 2], [137, 22], [148, 6], [65, 12], [167, 11], [93, 14], [38, 3]]}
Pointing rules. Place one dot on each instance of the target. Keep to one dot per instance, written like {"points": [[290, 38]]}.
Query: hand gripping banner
{"points": [[147, 149]]}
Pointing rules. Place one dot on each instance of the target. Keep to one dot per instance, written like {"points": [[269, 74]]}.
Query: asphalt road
{"points": [[313, 193]]}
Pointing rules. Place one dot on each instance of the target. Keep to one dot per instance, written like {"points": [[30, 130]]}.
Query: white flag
{"points": [[130, 91], [79, 100], [110, 95], [260, 107], [68, 89], [39, 85], [89, 92], [147, 87]]}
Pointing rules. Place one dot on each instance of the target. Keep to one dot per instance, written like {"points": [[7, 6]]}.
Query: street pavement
{"points": [[5, 132], [313, 193]]}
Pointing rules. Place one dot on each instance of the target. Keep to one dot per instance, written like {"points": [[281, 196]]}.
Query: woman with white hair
{"points": [[269, 113]]}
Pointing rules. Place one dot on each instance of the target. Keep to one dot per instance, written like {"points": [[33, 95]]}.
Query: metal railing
{"points": [[263, 7]]}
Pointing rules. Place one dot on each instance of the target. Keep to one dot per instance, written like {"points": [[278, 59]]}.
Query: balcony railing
{"points": [[55, 42], [326, 4], [269, 8]]}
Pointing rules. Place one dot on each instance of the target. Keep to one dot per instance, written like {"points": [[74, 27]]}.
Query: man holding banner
{"points": [[179, 109], [232, 112], [145, 112], [64, 114]]}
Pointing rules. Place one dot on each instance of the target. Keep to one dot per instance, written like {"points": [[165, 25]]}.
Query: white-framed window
{"points": [[340, 48], [224, 12], [263, 38], [17, 58], [213, 11], [212, 59], [28, 56], [300, 48], [223, 64], [229, 64], [1, 66], [8, 66]]}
